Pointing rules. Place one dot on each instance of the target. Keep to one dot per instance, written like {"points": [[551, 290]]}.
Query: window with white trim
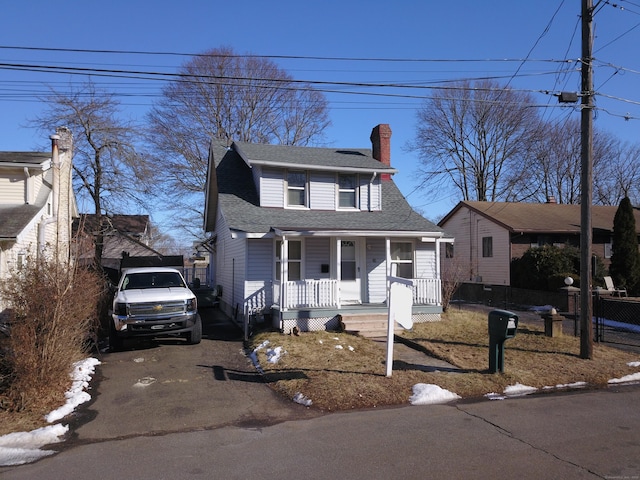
{"points": [[347, 190], [402, 259], [294, 263], [296, 188]]}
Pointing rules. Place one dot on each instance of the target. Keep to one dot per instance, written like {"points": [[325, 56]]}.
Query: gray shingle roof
{"points": [[354, 158], [238, 200], [32, 158], [14, 219]]}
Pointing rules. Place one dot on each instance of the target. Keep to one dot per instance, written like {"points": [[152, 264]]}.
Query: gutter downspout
{"points": [[42, 228], [27, 186]]}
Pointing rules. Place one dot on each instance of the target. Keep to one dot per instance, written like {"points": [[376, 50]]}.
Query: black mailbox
{"points": [[502, 325]]}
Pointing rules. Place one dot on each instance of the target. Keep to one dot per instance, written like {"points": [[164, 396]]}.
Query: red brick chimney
{"points": [[381, 144]]}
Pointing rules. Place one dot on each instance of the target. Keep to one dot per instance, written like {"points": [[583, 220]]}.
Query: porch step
{"points": [[367, 325]]}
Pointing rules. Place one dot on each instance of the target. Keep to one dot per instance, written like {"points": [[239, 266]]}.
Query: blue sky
{"points": [[510, 40]]}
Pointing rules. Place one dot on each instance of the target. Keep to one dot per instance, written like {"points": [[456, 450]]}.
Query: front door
{"points": [[350, 285]]}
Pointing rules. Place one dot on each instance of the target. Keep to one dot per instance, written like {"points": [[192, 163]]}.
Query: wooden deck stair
{"points": [[366, 324]]}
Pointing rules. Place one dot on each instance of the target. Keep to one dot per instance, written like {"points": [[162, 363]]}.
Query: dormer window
{"points": [[296, 188], [347, 197]]}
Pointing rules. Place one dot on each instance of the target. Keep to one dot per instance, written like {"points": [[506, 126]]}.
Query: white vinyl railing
{"points": [[324, 293], [427, 291]]}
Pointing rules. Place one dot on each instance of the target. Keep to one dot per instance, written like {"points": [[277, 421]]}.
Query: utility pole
{"points": [[586, 196]]}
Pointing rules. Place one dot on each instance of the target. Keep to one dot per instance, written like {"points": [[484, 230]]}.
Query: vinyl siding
{"points": [[12, 188], [317, 252], [322, 191], [469, 228], [376, 270], [425, 260], [230, 266], [272, 188]]}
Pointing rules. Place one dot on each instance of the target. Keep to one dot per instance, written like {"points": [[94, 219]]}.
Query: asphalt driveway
{"points": [[166, 386]]}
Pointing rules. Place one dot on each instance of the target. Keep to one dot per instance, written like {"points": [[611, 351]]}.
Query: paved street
{"points": [[174, 411]]}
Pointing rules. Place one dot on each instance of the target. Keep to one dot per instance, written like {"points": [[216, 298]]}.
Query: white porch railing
{"points": [[427, 291], [307, 293], [324, 293]]}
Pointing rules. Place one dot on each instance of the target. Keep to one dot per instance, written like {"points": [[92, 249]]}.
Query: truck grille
{"points": [[156, 308]]}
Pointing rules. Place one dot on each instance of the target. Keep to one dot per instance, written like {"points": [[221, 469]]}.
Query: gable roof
{"points": [[541, 217], [239, 202]]}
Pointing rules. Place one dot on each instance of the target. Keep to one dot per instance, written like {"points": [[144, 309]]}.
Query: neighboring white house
{"points": [[37, 204], [305, 234]]}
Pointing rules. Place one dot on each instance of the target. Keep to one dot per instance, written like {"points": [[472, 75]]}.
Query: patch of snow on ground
{"points": [[567, 385], [24, 447], [80, 375], [274, 354], [634, 377], [302, 400], [634, 364], [339, 347], [428, 394], [517, 390]]}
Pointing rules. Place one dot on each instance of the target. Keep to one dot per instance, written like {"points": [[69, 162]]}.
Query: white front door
{"points": [[350, 285]]}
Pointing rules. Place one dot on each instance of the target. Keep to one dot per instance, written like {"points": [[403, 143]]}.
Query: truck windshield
{"points": [[152, 280]]}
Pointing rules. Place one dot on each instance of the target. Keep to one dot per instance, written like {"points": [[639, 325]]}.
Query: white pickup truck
{"points": [[152, 302]]}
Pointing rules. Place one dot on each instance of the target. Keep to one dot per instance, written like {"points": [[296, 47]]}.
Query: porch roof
{"points": [[238, 201]]}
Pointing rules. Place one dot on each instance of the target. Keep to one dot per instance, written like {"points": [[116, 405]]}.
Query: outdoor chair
{"points": [[608, 281]]}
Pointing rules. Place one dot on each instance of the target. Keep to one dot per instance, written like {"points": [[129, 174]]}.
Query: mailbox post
{"points": [[502, 325]]}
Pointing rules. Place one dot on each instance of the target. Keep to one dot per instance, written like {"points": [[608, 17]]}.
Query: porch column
{"points": [[387, 254], [338, 268], [284, 271], [438, 259]]}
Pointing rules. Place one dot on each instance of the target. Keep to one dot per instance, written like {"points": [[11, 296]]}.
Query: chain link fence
{"points": [[617, 320]]}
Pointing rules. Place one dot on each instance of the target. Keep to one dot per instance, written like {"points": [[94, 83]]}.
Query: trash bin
{"points": [[502, 325]]}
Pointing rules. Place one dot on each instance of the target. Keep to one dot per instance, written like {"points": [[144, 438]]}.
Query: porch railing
{"points": [[324, 293], [307, 293], [427, 291]]}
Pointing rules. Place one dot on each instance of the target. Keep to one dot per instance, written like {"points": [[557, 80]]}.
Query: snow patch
{"points": [[428, 394], [302, 400], [24, 447]]}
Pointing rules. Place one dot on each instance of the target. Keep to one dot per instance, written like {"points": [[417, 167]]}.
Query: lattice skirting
{"points": [[333, 323]]}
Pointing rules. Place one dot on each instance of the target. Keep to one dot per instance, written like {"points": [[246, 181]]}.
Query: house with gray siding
{"points": [[302, 236]]}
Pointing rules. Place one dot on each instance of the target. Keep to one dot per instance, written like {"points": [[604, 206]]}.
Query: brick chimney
{"points": [[381, 144]]}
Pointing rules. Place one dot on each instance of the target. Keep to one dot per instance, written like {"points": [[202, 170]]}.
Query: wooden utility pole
{"points": [[586, 196]]}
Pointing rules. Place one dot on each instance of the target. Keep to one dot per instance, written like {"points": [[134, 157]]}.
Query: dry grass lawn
{"points": [[338, 371]]}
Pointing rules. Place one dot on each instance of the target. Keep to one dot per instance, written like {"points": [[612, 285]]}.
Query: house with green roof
{"points": [[302, 237]]}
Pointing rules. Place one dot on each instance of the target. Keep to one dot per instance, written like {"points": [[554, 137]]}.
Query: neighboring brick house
{"points": [[37, 204], [489, 234], [305, 234]]}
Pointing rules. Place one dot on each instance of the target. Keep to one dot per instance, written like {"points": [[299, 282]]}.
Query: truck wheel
{"points": [[195, 335], [115, 342]]}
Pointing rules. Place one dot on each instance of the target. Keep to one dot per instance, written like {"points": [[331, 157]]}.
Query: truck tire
{"points": [[195, 335]]}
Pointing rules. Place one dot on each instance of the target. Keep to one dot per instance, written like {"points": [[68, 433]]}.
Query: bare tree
{"points": [[618, 174], [109, 170], [477, 138], [224, 96]]}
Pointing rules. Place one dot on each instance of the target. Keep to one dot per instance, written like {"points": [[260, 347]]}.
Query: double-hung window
{"points": [[347, 189], [402, 259], [294, 263], [296, 188]]}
